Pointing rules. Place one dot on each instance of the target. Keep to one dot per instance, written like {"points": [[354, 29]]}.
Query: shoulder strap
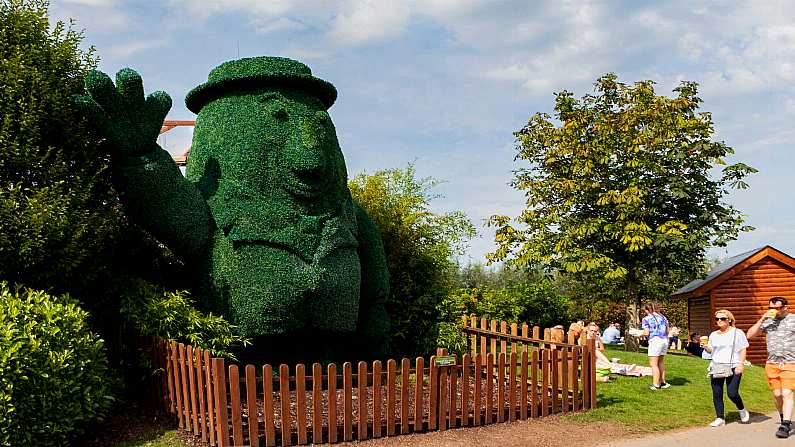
{"points": [[734, 341]]}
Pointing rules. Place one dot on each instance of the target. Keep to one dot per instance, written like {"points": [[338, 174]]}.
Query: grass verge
{"points": [[688, 402]]}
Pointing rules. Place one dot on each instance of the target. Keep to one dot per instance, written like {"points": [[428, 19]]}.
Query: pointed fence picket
{"points": [[505, 375]]}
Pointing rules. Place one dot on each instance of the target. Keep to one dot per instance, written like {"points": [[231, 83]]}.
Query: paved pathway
{"points": [[758, 433]]}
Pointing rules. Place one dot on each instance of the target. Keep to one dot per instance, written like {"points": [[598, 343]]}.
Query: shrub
{"points": [[532, 303], [52, 369], [172, 316], [451, 336], [419, 246], [57, 209]]}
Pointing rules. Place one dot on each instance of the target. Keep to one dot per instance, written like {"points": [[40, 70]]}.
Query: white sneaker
{"points": [[717, 422], [744, 415]]}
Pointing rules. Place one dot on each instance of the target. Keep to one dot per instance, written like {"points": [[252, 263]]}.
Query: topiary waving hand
{"points": [[155, 194], [127, 119]]}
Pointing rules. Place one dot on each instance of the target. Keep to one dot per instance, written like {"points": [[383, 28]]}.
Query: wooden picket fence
{"points": [[226, 405]]}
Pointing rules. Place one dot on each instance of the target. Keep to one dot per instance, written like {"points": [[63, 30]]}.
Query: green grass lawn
{"points": [[165, 439], [688, 402]]}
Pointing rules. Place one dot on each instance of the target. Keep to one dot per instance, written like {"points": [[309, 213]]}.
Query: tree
{"points": [[621, 186], [419, 246], [56, 205]]}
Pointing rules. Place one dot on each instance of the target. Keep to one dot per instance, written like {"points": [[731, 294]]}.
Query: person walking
{"points": [[655, 328], [779, 327], [727, 345]]}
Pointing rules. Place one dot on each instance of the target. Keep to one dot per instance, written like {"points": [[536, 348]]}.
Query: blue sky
{"points": [[445, 83]]}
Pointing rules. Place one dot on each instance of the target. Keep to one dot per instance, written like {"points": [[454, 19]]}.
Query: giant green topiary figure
{"points": [[264, 216]]}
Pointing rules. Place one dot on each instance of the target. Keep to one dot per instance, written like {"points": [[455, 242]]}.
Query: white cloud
{"points": [[368, 21], [131, 48], [96, 16]]}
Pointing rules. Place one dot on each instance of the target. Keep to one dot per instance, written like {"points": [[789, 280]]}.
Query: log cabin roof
{"points": [[729, 268]]}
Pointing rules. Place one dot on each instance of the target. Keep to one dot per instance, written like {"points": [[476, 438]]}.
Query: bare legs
{"points": [[784, 402], [657, 369]]}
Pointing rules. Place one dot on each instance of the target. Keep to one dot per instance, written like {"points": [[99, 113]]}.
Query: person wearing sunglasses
{"points": [[727, 346], [779, 327]]}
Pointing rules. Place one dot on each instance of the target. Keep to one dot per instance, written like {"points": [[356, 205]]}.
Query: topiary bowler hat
{"points": [[257, 72]]}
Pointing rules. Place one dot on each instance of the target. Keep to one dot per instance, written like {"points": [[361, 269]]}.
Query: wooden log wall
{"points": [[699, 314], [225, 404]]}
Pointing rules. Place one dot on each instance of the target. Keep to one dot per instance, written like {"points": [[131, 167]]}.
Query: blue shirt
{"points": [[656, 324], [611, 335]]}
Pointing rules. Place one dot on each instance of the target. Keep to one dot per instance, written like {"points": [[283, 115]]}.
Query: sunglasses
{"points": [[721, 318], [777, 308]]}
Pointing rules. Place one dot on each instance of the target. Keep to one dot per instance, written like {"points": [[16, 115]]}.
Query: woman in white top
{"points": [[727, 346]]}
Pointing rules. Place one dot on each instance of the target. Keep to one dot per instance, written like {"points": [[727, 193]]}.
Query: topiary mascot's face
{"points": [[265, 147]]}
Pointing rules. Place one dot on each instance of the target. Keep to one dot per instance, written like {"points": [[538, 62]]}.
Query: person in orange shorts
{"points": [[779, 327]]}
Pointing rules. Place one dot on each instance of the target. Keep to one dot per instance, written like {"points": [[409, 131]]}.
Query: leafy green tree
{"points": [[619, 184], [56, 206], [419, 246]]}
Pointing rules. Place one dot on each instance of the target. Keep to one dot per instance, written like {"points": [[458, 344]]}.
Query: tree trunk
{"points": [[633, 312]]}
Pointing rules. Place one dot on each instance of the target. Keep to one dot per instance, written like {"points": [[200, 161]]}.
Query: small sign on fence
{"points": [[445, 360]]}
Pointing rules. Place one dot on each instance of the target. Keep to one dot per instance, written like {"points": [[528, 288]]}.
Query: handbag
{"points": [[722, 370]]}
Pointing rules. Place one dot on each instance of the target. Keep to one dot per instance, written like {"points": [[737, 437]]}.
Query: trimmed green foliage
{"points": [[171, 316], [419, 246], [52, 369], [56, 205], [263, 217]]}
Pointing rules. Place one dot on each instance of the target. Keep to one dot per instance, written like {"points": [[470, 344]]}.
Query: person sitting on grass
{"points": [[612, 334], [693, 346], [603, 367]]}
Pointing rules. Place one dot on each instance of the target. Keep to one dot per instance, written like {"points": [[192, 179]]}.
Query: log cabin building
{"points": [[743, 284]]}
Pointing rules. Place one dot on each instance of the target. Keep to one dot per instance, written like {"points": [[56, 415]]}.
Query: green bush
{"points": [[57, 209], [532, 303], [451, 336], [172, 316], [52, 369], [419, 245]]}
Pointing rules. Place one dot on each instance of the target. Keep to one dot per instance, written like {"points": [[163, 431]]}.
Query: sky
{"points": [[444, 84]]}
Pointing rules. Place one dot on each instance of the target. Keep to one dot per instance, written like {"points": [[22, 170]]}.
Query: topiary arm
{"points": [[155, 194], [373, 318]]}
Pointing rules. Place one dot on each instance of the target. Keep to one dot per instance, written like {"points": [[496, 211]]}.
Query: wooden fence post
{"points": [[185, 384], [404, 395], [221, 417], [317, 403], [390, 396], [419, 375], [465, 364], [234, 398], [300, 402], [473, 339], [512, 386], [267, 405], [191, 360], [377, 399], [477, 365], [332, 402], [177, 384], [284, 400], [488, 387], [361, 388], [209, 377], [251, 404], [592, 375], [347, 402], [433, 394]]}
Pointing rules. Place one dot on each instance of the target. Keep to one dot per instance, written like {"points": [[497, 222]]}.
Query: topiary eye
{"points": [[280, 113], [322, 118]]}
